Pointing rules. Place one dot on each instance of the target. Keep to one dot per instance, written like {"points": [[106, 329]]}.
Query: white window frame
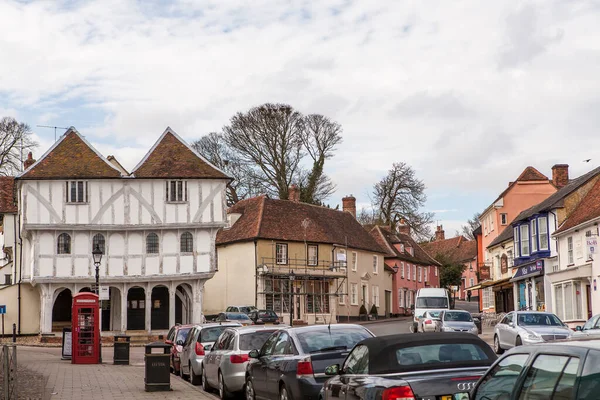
{"points": [[564, 301], [173, 195], [436, 271], [471, 282], [543, 233], [375, 265], [488, 298], [533, 235], [426, 274], [375, 290], [284, 259], [80, 198], [420, 274], [401, 298], [415, 272], [354, 261], [342, 299], [516, 241], [402, 269], [312, 260], [524, 230], [408, 272], [354, 294], [570, 259]]}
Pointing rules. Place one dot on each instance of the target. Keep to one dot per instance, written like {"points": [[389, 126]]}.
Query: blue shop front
{"points": [[528, 281]]}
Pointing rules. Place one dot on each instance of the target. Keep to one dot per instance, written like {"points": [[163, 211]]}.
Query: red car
{"points": [[175, 338]]}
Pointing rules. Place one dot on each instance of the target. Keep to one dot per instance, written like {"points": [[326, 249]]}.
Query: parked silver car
{"points": [[528, 327], [225, 365], [430, 321], [457, 321], [198, 342], [591, 327]]}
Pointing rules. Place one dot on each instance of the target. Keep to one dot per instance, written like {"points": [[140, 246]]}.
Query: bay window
{"points": [[524, 240], [568, 301], [533, 231], [543, 233]]}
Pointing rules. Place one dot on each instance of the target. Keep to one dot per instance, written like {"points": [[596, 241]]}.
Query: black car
{"points": [[429, 366], [263, 317], [560, 370], [291, 364]]}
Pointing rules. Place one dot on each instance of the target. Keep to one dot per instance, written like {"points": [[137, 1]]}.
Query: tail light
{"points": [[199, 349], [238, 358], [304, 368], [398, 393], [428, 322]]}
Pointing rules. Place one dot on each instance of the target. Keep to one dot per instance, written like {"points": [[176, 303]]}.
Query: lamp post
{"points": [[292, 278], [97, 255]]}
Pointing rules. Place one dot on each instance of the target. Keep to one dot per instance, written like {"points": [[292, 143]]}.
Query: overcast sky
{"points": [[467, 92]]}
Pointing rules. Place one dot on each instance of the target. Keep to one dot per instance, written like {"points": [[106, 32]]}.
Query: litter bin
{"points": [[477, 320], [121, 350], [157, 377]]}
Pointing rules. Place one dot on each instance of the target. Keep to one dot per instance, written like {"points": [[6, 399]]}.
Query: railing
{"points": [[8, 373]]}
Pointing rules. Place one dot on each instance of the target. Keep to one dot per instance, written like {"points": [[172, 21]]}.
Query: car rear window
{"points": [[457, 316], [322, 339], [211, 334], [440, 354], [182, 334], [254, 340]]}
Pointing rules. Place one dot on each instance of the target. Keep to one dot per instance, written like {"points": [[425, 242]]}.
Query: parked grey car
{"points": [[591, 328], [528, 327], [198, 342], [225, 365], [457, 321]]}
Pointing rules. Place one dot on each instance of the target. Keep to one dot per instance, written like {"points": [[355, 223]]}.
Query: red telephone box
{"points": [[85, 329]]}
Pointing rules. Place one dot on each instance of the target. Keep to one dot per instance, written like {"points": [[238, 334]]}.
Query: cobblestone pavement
{"points": [[106, 381]]}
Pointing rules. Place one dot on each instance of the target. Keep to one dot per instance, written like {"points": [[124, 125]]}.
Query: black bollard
{"points": [[14, 333]]}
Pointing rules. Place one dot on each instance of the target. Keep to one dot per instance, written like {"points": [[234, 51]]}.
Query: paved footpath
{"points": [[106, 381]]}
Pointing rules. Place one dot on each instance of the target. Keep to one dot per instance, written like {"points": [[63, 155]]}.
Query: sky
{"points": [[468, 93]]}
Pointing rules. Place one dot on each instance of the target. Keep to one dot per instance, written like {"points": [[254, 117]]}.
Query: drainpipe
{"points": [[20, 266], [255, 276]]}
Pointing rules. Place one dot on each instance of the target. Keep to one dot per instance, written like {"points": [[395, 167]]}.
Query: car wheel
{"points": [[249, 389], [205, 385], [283, 393], [497, 348], [518, 342], [223, 393], [194, 379]]}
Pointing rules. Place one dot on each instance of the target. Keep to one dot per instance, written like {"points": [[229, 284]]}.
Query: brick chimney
{"points": [[439, 233], [403, 227], [29, 162], [560, 175], [294, 193], [349, 205]]}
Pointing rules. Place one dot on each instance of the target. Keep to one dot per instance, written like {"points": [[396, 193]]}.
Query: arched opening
{"points": [[160, 308], [183, 304], [85, 290], [136, 309], [61, 310]]}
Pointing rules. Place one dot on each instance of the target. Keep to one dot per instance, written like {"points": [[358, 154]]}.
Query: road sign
{"points": [[2, 309]]}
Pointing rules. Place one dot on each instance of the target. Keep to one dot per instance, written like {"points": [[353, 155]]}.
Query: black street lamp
{"points": [[97, 255], [292, 278]]}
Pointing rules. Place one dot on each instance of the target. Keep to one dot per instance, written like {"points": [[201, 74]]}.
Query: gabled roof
{"points": [[556, 200], [270, 219], [71, 157], [172, 157], [587, 209], [7, 200], [457, 249], [387, 239], [507, 234]]}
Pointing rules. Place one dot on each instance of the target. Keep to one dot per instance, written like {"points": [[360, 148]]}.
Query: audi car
{"points": [[441, 366]]}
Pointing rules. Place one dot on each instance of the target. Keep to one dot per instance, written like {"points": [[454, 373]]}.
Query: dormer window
{"points": [[177, 191], [77, 192]]}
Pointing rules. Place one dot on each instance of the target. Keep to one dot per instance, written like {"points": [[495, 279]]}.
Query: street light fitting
{"points": [[97, 254], [395, 268], [292, 276]]}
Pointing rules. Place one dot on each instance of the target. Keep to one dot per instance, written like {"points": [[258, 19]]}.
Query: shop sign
{"points": [[484, 272], [592, 244], [531, 269]]}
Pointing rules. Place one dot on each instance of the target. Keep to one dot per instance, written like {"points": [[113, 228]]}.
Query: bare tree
{"points": [[367, 216], [15, 142], [399, 196], [269, 137], [472, 224], [215, 150]]}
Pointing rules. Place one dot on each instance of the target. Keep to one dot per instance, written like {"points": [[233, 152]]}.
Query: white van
{"points": [[429, 299]]}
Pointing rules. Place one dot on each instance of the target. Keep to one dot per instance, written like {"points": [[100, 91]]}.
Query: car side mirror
{"points": [[254, 354], [332, 370], [179, 342], [578, 328]]}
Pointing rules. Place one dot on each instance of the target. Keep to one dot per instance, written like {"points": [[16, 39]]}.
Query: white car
{"points": [[591, 327], [430, 321]]}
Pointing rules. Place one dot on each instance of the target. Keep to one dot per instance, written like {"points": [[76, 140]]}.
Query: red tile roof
{"points": [[71, 157], [265, 218], [457, 249], [7, 201], [588, 208], [387, 239], [170, 157]]}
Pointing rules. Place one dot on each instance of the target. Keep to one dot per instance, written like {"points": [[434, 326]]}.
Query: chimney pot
{"points": [[560, 175], [29, 161], [349, 205], [403, 227], [294, 193], [439, 233]]}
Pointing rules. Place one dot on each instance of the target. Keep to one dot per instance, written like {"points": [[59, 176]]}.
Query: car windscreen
{"points": [[245, 309], [432, 302], [254, 340], [439, 355], [236, 316], [267, 314], [182, 334], [457, 316], [538, 319], [211, 334], [323, 339]]}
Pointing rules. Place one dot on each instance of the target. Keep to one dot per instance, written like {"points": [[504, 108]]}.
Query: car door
{"points": [[258, 367], [355, 366], [187, 347], [501, 380], [511, 331], [592, 326], [501, 329], [281, 352], [551, 376], [224, 353], [211, 358]]}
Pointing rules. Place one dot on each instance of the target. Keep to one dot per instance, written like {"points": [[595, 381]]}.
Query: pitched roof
{"points": [[265, 218], [71, 157], [507, 234], [556, 200], [7, 201], [457, 249], [587, 209], [171, 157], [387, 239]]}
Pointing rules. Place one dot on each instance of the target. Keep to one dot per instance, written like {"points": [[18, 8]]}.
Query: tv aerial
{"points": [[55, 128]]}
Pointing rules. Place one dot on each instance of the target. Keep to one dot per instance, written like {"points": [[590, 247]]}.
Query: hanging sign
{"points": [[592, 244]]}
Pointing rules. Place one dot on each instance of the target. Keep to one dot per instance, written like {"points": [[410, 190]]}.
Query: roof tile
{"points": [[457, 249], [588, 208], [387, 239]]}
